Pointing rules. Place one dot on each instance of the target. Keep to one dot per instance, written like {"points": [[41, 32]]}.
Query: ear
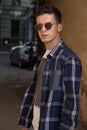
{"points": [[60, 26]]}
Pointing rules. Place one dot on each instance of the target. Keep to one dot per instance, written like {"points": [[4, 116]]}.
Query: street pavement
{"points": [[10, 100]]}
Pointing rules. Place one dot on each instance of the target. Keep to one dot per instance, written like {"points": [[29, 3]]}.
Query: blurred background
{"points": [[17, 20]]}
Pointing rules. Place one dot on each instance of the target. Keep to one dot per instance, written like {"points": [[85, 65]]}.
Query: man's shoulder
{"points": [[68, 52]]}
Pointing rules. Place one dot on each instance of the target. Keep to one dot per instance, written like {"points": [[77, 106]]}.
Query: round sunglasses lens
{"points": [[38, 27], [48, 25]]}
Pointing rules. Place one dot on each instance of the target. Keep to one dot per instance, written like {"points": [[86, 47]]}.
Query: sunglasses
{"points": [[47, 25]]}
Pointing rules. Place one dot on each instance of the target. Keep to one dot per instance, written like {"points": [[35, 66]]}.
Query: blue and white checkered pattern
{"points": [[59, 106]]}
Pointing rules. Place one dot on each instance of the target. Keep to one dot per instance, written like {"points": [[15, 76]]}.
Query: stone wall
{"points": [[75, 35]]}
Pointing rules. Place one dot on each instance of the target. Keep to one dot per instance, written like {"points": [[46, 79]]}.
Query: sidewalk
{"points": [[9, 108], [13, 83], [10, 98]]}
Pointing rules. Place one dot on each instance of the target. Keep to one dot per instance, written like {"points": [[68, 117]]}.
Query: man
{"points": [[51, 102]]}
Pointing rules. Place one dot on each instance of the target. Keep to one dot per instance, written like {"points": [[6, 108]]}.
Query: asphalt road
{"points": [[13, 83]]}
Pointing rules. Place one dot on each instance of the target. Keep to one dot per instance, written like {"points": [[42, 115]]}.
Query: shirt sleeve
{"points": [[71, 86], [26, 110]]}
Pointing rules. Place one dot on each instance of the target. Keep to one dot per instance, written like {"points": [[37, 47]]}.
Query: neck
{"points": [[51, 45]]}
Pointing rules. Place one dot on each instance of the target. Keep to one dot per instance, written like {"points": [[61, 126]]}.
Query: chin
{"points": [[45, 41]]}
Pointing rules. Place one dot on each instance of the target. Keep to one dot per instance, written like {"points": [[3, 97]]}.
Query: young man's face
{"points": [[50, 34]]}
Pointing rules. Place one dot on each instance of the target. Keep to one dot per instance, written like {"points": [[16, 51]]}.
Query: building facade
{"points": [[14, 24]]}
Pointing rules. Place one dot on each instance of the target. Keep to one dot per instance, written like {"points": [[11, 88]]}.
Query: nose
{"points": [[43, 28]]}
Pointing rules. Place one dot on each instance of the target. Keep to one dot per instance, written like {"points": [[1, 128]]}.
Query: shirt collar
{"points": [[56, 50]]}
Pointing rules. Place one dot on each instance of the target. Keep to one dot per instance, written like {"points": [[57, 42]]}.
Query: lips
{"points": [[44, 35]]}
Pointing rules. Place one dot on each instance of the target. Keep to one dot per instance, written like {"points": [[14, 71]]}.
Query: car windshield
{"points": [[23, 51]]}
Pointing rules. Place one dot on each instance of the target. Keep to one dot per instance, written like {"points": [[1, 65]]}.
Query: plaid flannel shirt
{"points": [[59, 106]]}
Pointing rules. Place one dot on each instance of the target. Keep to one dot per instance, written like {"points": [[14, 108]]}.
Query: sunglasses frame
{"points": [[47, 25]]}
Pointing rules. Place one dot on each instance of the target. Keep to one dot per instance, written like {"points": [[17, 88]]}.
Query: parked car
{"points": [[20, 57], [26, 44]]}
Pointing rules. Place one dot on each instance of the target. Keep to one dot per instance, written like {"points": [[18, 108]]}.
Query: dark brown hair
{"points": [[50, 10]]}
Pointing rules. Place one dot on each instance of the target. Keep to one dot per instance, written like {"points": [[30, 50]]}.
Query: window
{"points": [[16, 2], [15, 28]]}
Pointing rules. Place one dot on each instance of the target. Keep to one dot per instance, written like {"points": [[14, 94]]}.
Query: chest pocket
{"points": [[55, 80], [56, 74]]}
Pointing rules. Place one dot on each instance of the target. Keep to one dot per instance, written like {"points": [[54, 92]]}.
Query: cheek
{"points": [[54, 31], [39, 34]]}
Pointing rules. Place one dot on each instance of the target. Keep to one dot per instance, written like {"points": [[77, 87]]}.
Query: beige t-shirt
{"points": [[36, 117], [36, 110]]}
